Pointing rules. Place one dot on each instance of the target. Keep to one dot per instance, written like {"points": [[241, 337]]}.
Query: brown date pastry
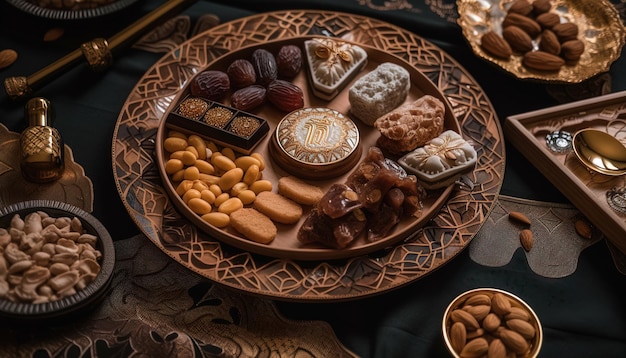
{"points": [[211, 85], [193, 107], [265, 66], [241, 73], [244, 126], [375, 197], [217, 116]]}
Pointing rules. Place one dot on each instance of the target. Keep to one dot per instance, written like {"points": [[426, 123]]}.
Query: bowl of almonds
{"points": [[55, 259], [489, 322]]}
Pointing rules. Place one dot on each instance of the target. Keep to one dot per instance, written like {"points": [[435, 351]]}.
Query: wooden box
{"points": [[584, 188]]}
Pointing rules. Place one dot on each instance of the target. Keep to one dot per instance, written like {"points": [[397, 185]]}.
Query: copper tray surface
{"points": [[584, 188], [285, 244], [599, 24], [434, 244]]}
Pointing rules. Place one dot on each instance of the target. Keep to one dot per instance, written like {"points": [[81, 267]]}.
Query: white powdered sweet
{"points": [[379, 92]]}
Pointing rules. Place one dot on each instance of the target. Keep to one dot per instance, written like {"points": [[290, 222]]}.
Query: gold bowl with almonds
{"points": [[491, 322], [599, 34]]}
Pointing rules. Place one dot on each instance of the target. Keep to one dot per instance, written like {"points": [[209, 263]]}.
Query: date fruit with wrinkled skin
{"points": [[285, 95], [211, 85]]}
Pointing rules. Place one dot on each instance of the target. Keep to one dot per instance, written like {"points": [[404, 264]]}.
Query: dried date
{"points": [[211, 85], [285, 95], [265, 66], [248, 98], [289, 61], [241, 73]]}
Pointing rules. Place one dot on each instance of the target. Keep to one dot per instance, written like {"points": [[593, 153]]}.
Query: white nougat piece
{"points": [[379, 92], [332, 65]]}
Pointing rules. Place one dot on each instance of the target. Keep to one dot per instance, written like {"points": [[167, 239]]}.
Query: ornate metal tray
{"points": [[439, 241], [600, 28], [285, 244]]}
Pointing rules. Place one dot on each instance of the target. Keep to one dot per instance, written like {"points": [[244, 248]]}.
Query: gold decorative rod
{"points": [[97, 52]]}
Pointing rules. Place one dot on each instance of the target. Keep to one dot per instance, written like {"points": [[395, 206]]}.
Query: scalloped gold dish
{"points": [[600, 29], [286, 244]]}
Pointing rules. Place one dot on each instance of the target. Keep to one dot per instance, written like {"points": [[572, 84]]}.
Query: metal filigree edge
{"points": [[440, 241]]}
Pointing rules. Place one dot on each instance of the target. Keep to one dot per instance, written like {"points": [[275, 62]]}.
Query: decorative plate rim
{"points": [[139, 184]]}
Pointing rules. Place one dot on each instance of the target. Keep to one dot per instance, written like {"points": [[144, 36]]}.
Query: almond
{"points": [[517, 38], [549, 43], [519, 217], [478, 299], [458, 336], [522, 7], [475, 334], [522, 327], [514, 341], [500, 304], [497, 349], [566, 31], [53, 34], [526, 239], [491, 322], [494, 44], [542, 61], [583, 229], [517, 313], [548, 19], [541, 6], [572, 50], [458, 315], [475, 348], [7, 57], [479, 312], [530, 26]]}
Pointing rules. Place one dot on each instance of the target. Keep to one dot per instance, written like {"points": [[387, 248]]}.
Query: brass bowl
{"points": [[600, 29], [470, 302]]}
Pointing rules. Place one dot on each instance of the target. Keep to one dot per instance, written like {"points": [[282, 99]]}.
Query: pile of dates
{"points": [[375, 197], [263, 77]]}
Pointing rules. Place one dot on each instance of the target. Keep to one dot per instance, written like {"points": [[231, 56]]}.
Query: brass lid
{"points": [[316, 143]]}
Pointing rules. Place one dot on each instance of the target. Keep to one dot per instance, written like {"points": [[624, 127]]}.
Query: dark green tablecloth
{"points": [[583, 314]]}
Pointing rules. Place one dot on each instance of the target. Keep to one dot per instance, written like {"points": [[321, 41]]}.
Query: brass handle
{"points": [[97, 52]]}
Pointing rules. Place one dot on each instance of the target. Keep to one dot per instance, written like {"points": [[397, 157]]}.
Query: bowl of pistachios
{"points": [[55, 259]]}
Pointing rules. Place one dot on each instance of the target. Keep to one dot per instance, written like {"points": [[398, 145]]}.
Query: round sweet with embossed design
{"points": [[316, 143]]}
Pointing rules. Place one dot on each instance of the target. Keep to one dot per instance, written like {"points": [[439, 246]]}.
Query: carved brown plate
{"points": [[599, 27], [433, 245], [286, 244]]}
